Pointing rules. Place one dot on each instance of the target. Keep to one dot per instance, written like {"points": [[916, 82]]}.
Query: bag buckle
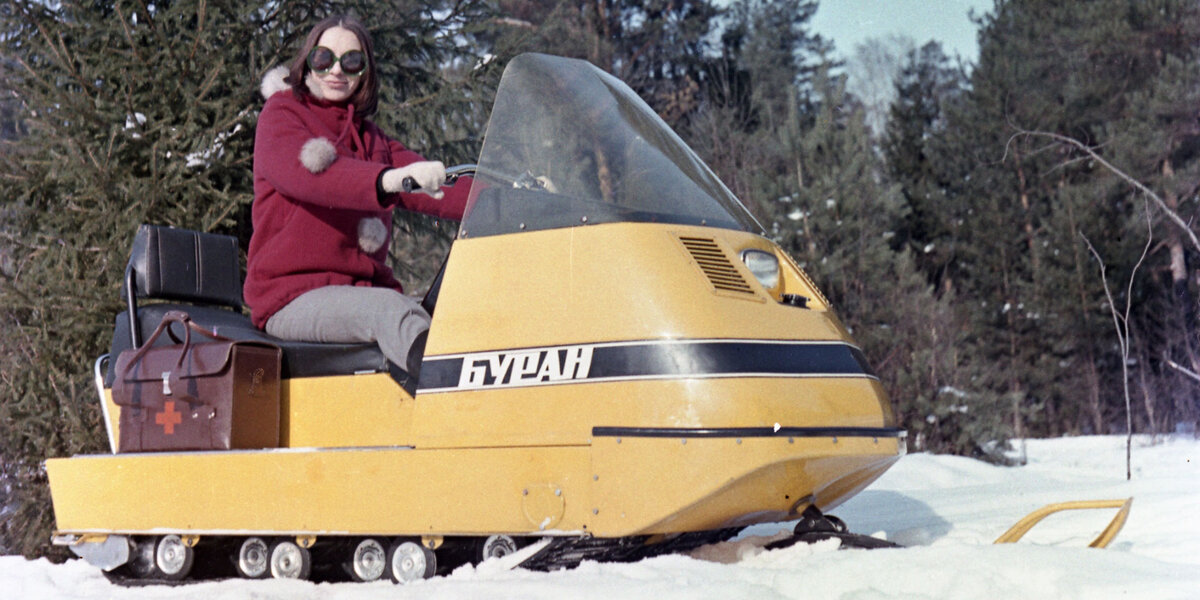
{"points": [[166, 379]]}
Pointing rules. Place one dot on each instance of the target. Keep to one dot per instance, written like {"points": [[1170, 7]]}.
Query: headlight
{"points": [[764, 266]]}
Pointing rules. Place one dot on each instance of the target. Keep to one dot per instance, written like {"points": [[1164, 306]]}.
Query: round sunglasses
{"points": [[322, 59]]}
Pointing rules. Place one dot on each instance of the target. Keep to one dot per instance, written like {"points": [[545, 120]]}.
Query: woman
{"points": [[325, 182]]}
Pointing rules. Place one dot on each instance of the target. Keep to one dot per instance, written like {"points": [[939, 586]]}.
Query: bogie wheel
{"points": [[409, 561], [253, 558], [173, 558], [141, 563], [497, 546], [368, 562], [290, 561]]}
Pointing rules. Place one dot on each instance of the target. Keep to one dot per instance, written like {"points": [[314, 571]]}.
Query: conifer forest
{"points": [[1012, 240]]}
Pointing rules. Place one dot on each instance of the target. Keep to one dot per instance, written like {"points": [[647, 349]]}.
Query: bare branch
{"points": [[1182, 369], [1171, 215], [1112, 305], [512, 22], [1121, 324]]}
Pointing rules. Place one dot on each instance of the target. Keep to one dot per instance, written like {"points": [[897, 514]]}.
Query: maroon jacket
{"points": [[318, 217]]}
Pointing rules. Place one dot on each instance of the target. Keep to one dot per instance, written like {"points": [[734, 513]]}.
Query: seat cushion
{"points": [[300, 359]]}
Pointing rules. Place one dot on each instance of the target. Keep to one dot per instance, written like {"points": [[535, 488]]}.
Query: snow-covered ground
{"points": [[948, 508]]}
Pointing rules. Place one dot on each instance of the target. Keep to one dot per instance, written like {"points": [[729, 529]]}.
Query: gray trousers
{"points": [[351, 314]]}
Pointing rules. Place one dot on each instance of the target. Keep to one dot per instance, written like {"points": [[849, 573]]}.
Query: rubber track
{"points": [[118, 577]]}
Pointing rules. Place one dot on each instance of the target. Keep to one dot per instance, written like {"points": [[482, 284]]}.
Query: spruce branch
{"points": [[200, 10], [209, 81], [128, 34]]}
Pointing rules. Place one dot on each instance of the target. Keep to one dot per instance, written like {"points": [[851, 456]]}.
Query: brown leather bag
{"points": [[217, 395]]}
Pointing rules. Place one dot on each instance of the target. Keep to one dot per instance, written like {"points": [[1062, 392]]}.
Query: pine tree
{"points": [[1159, 141], [1136, 101], [844, 222], [927, 83], [658, 48], [762, 79], [1005, 199], [1074, 70], [771, 41]]}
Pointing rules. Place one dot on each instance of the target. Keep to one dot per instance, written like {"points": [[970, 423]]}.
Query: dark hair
{"points": [[366, 97]]}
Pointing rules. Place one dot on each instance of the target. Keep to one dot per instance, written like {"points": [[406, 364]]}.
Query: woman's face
{"points": [[335, 85]]}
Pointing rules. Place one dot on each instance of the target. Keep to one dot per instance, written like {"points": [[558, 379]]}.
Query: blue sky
{"points": [[849, 22]]}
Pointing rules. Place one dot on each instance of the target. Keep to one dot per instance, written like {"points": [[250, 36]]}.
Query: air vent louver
{"points": [[716, 266]]}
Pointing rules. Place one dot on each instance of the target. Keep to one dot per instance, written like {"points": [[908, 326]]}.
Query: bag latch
{"points": [[166, 378]]}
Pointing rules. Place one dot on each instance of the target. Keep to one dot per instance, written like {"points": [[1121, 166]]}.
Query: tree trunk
{"points": [[1015, 388], [1028, 228], [1026, 212], [1093, 379], [1147, 396], [1185, 306], [601, 31], [1089, 360]]}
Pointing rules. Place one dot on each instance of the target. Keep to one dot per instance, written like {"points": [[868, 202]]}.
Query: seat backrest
{"points": [[183, 265]]}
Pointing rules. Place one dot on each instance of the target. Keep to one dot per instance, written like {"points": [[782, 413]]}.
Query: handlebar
{"points": [[452, 175]]}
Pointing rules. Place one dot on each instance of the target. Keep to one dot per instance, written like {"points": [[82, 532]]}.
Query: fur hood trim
{"points": [[273, 82]]}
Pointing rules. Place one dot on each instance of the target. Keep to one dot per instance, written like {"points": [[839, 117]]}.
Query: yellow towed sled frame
{"points": [[1032, 519]]}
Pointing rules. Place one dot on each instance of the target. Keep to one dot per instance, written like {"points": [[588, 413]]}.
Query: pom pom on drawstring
{"points": [[317, 154], [372, 234]]}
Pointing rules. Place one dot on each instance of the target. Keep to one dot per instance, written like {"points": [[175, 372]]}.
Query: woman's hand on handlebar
{"points": [[425, 177]]}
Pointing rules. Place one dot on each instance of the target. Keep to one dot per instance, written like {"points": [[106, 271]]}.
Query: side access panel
{"points": [[359, 491]]}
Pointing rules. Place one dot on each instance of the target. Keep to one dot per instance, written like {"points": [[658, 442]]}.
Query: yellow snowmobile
{"points": [[621, 363]]}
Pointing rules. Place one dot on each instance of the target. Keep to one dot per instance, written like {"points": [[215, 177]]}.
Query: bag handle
{"points": [[171, 379], [192, 325]]}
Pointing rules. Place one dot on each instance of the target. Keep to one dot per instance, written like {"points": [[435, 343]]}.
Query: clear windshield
{"points": [[570, 145]]}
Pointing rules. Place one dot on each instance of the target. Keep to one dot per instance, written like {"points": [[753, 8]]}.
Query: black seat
{"points": [[199, 273]]}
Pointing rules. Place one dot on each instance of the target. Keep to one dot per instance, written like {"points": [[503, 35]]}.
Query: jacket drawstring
{"points": [[356, 142]]}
